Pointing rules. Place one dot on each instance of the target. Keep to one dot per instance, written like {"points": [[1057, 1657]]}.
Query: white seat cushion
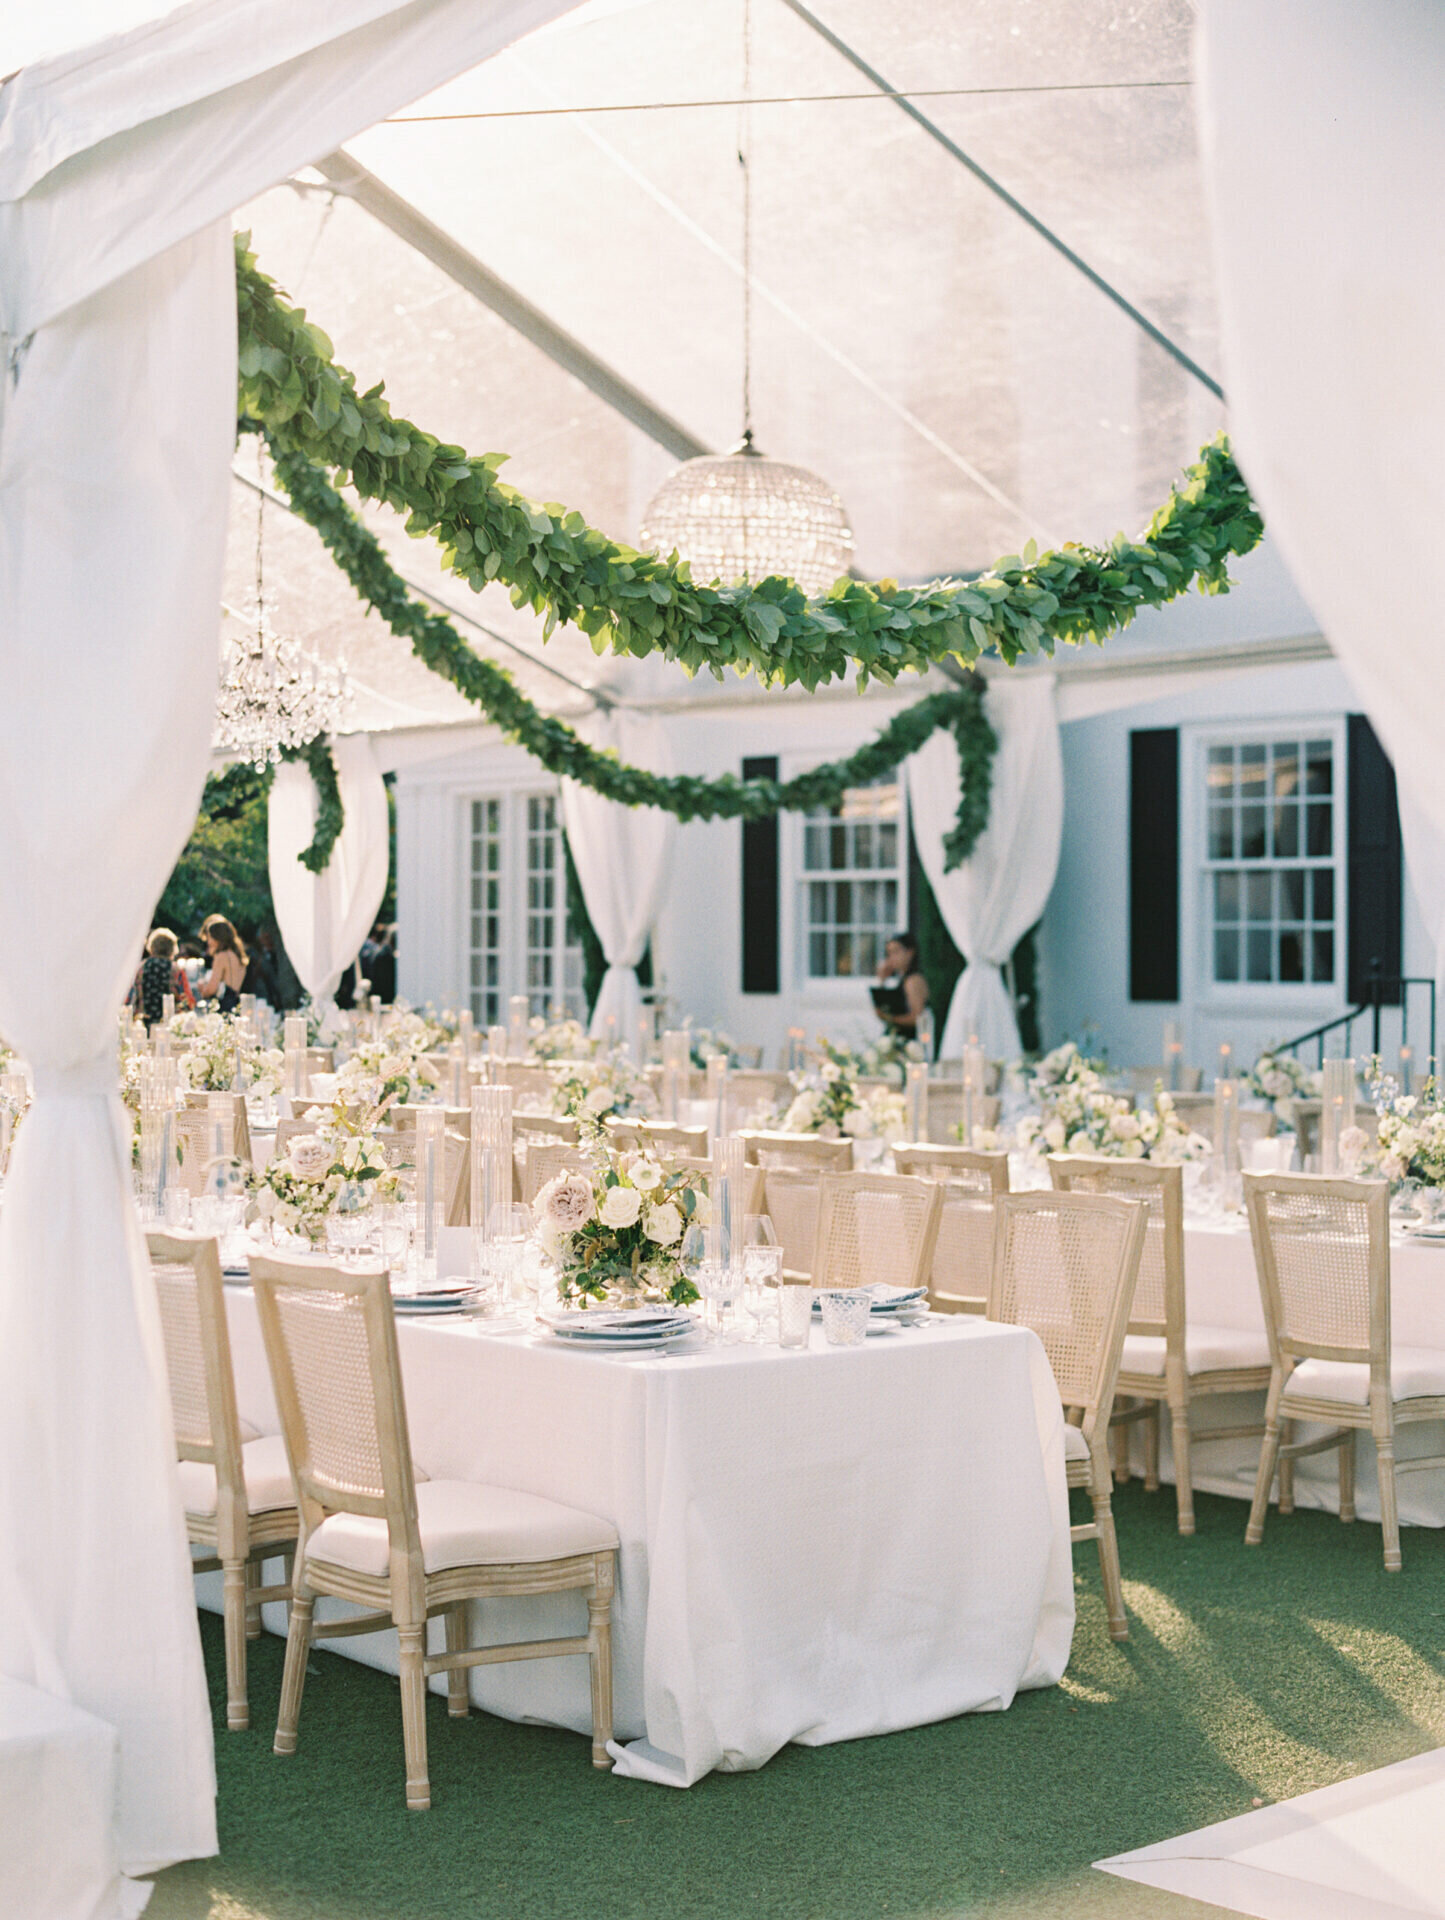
{"points": [[466, 1525], [1416, 1373], [1076, 1447], [1206, 1350], [268, 1478]]}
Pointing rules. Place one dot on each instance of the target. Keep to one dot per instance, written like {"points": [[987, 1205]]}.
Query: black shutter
{"points": [[1375, 866], [1154, 864], [760, 889]]}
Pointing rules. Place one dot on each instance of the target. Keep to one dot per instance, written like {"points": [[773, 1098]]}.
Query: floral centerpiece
{"points": [[827, 1101], [617, 1233], [300, 1189], [222, 1054], [1104, 1122], [390, 1069], [1280, 1079], [703, 1042], [558, 1040], [1411, 1145], [588, 1091]]}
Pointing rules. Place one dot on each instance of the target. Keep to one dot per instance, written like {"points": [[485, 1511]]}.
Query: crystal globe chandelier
{"points": [[274, 693], [739, 515]]}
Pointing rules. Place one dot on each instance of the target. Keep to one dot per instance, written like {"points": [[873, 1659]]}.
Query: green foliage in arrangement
{"points": [[640, 604]]}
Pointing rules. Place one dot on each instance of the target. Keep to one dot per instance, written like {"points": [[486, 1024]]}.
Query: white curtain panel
{"points": [[1425, 864], [989, 903], [1323, 124], [623, 857], [117, 338], [324, 917]]}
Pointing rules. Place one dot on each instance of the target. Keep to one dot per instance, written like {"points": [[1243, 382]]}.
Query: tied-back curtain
{"points": [[989, 903], [324, 917], [1323, 127], [623, 857]]}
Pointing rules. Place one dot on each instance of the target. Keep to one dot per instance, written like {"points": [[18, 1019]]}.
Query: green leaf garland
{"points": [[330, 814]]}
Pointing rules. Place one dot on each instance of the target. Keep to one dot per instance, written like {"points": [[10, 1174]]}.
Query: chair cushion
{"points": [[1206, 1350], [1076, 1447], [268, 1478], [466, 1525], [1416, 1373]]}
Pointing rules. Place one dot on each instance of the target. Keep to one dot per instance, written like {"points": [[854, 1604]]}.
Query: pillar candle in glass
{"points": [[246, 1007], [1337, 1111], [431, 1209], [161, 1044], [1407, 1063], [1173, 1055], [457, 1073], [496, 1053], [917, 1100], [1226, 1062], [518, 1026], [642, 1037], [717, 1094], [466, 1029], [797, 1040], [975, 1071], [1226, 1125], [729, 1163], [924, 1035], [168, 1007], [676, 1051], [609, 1034]]}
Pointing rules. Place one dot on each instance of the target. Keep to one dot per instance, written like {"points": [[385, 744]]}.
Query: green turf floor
{"points": [[1248, 1675]]}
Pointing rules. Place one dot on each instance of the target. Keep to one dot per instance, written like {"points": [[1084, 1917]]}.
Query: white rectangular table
{"points": [[1222, 1290], [814, 1546]]}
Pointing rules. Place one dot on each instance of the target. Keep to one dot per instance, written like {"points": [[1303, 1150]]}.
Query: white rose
{"points": [[1080, 1143], [309, 1157], [858, 1123], [1054, 1135], [391, 1066], [1125, 1126], [801, 1115], [621, 1207], [1392, 1166], [1133, 1149], [1353, 1141], [265, 1203], [600, 1100], [286, 1216], [831, 1072], [664, 1222], [645, 1175]]}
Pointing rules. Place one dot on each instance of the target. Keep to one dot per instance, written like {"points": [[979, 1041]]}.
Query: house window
{"points": [[852, 882], [520, 937], [1273, 832]]}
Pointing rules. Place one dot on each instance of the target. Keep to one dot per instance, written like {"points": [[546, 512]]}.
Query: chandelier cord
{"points": [[744, 129]]}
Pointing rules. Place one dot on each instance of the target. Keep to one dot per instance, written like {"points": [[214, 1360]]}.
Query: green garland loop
{"points": [[330, 814], [551, 741], [640, 604]]}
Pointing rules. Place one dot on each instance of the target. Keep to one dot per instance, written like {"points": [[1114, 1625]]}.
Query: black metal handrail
{"points": [[1383, 990]]}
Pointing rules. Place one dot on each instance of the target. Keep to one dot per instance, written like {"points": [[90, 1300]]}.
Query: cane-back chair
{"points": [[766, 1147], [875, 1227], [543, 1160], [963, 1253], [790, 1196], [1065, 1264], [370, 1534]]}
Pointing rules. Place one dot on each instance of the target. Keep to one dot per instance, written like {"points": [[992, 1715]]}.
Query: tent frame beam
{"points": [[348, 177]]}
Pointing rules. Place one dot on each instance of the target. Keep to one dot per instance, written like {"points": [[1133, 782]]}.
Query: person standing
{"points": [[158, 976], [902, 995], [227, 978]]}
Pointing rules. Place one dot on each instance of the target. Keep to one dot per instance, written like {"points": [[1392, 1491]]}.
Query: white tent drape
{"points": [[1324, 142], [117, 308], [989, 903], [623, 857], [324, 917]]}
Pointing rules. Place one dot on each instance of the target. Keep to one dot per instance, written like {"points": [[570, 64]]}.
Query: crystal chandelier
{"points": [[740, 515], [274, 693]]}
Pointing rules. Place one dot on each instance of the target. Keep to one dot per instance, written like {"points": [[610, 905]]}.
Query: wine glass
{"points": [[762, 1268], [509, 1236]]}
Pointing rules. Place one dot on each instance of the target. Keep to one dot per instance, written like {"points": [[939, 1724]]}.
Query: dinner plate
{"points": [[625, 1336]]}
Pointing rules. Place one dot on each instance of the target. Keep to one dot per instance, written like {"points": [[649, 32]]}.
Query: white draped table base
{"points": [[813, 1546]]}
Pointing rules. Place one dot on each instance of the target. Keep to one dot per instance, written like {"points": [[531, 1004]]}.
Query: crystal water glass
{"points": [[845, 1316], [795, 1316]]}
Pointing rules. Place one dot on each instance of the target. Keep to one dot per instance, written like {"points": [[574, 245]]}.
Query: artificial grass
{"points": [[1249, 1674]]}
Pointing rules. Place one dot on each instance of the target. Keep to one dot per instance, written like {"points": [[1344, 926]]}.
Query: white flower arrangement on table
{"points": [[222, 1049], [389, 1069], [827, 1101], [302, 1188], [325, 1022], [1103, 1122], [703, 1042], [1280, 1079], [558, 1040], [619, 1230], [1411, 1144], [589, 1091], [1069, 1091]]}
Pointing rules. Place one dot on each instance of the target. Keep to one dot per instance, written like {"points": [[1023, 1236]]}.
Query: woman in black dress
{"points": [[903, 993], [158, 976], [227, 979]]}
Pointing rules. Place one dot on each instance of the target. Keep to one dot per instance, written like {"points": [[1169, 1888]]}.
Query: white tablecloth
{"points": [[814, 1546], [1222, 1290]]}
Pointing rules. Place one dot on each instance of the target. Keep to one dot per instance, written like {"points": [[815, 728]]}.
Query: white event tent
{"points": [[921, 341]]}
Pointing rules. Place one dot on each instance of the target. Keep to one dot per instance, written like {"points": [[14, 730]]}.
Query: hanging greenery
{"points": [[330, 814], [640, 604]]}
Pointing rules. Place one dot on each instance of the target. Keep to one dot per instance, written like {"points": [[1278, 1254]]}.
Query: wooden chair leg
{"points": [[1151, 1448], [1264, 1478], [413, 1715], [293, 1677], [459, 1700], [253, 1609], [1389, 1510], [1121, 1439], [235, 1615], [1109, 1560], [1347, 1477], [599, 1657], [1286, 1470], [1183, 1467]]}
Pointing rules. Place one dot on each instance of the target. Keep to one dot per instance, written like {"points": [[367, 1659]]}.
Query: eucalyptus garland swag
{"points": [[634, 603]]}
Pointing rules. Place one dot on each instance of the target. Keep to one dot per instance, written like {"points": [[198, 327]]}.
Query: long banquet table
{"points": [[1222, 1290], [814, 1546]]}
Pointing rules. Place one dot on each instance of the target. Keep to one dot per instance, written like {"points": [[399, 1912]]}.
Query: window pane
{"points": [[838, 846], [1251, 833], [1323, 888], [1291, 954], [1221, 773], [1221, 833], [1258, 891], [1319, 829], [817, 955], [1259, 941], [1226, 956], [1319, 767], [843, 962], [1226, 896], [1286, 832], [888, 844], [1323, 967], [863, 845], [1286, 769], [1292, 894]]}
